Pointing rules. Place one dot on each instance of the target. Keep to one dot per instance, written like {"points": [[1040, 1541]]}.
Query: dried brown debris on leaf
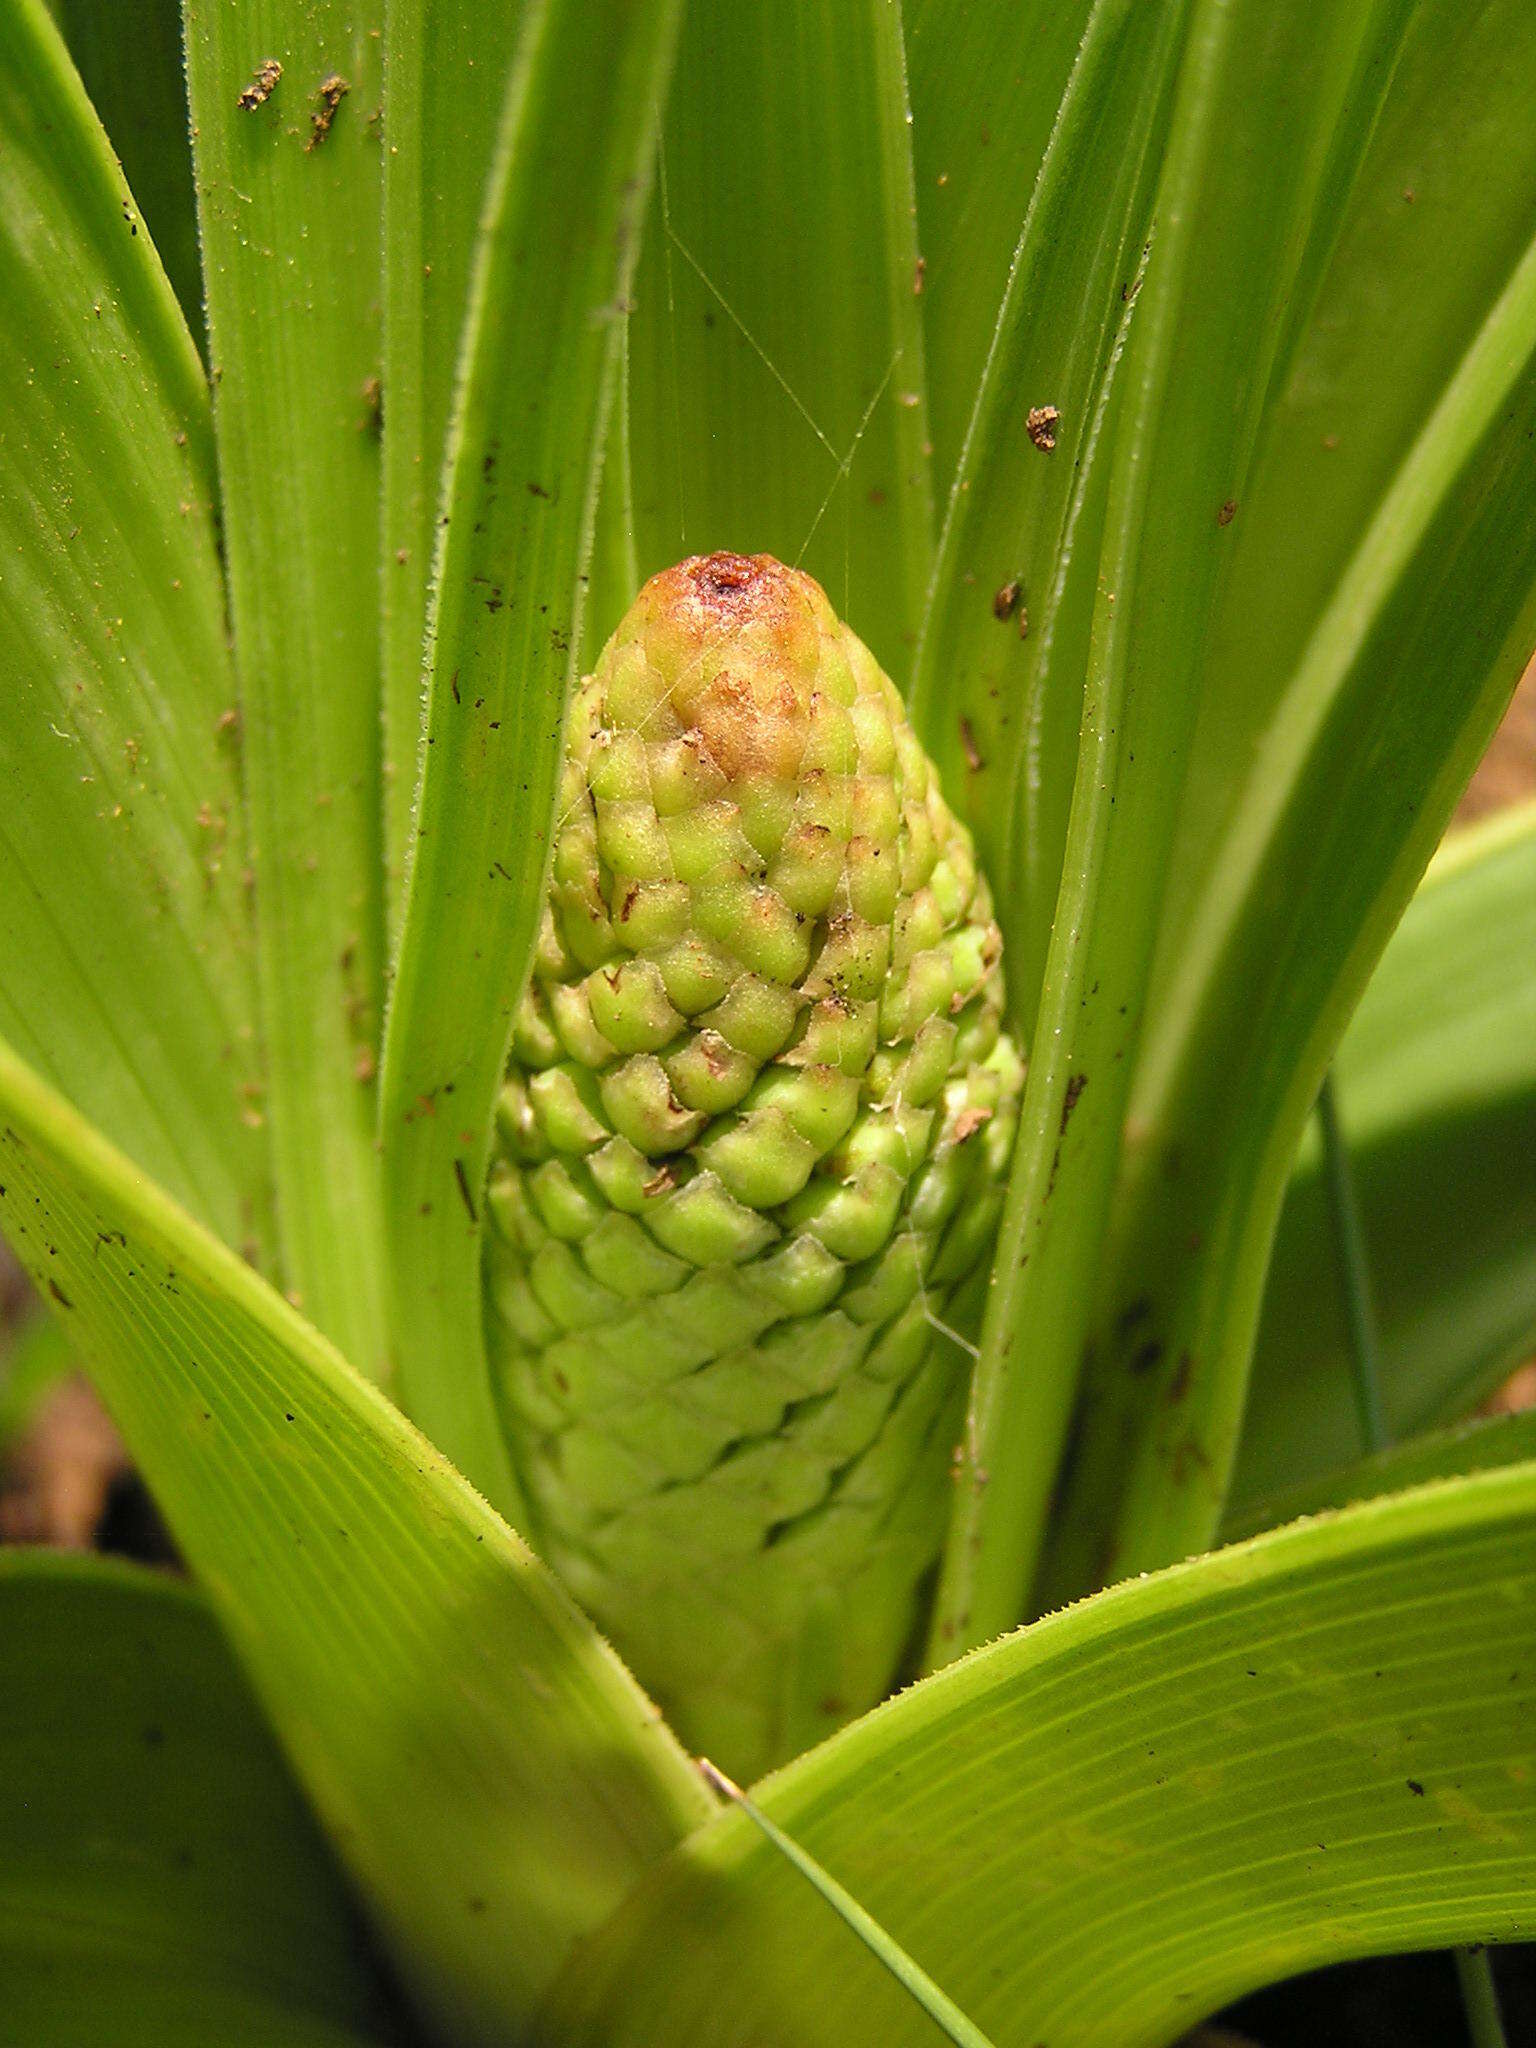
{"points": [[1040, 425], [262, 86], [331, 94]]}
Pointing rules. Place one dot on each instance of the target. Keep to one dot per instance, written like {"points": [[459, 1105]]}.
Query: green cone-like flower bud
{"points": [[750, 1146]]}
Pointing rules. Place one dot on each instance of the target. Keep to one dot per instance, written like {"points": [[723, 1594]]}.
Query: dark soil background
{"points": [[66, 1481]]}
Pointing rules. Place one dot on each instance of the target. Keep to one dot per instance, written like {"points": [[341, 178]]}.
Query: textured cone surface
{"points": [[750, 1151]]}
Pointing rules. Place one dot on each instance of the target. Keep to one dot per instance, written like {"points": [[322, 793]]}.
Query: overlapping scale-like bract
{"points": [[750, 1150]]}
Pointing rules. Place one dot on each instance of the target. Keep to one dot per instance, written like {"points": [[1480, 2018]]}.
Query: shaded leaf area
{"points": [[488, 1772], [1379, 622], [1479, 1446], [577, 139], [129, 58], [777, 389], [125, 968], [1436, 1085], [288, 186], [1099, 1829], [446, 66], [161, 1882]]}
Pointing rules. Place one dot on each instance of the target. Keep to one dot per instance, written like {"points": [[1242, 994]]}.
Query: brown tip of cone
{"points": [[726, 590]]}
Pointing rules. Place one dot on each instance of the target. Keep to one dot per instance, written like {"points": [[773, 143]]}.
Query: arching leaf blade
{"points": [[129, 57], [1004, 640], [1120, 1818], [1201, 322], [1369, 689], [1401, 688], [489, 1773]]}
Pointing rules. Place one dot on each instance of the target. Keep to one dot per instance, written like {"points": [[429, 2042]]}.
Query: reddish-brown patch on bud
{"points": [[751, 724], [738, 639]]}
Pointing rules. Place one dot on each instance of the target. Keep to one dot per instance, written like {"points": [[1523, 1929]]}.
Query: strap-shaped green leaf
{"points": [[1365, 746], [1068, 156], [1097, 1830], [125, 969], [161, 1882], [489, 1772], [576, 143], [1375, 662], [1401, 689], [1156, 565], [446, 64], [1436, 1085], [285, 98], [777, 389]]}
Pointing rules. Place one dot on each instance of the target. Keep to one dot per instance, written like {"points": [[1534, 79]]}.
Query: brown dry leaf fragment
{"points": [[61, 1471], [331, 94], [262, 85], [1040, 425]]}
